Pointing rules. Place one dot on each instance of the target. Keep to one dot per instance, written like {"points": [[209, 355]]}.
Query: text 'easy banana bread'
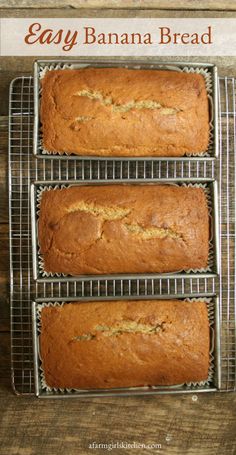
{"points": [[124, 343], [124, 112], [115, 229]]}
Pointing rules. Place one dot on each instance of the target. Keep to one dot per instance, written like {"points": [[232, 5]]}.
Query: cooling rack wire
{"points": [[24, 169]]}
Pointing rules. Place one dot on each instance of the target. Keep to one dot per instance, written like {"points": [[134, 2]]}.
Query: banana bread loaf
{"points": [[124, 343], [111, 229], [124, 112]]}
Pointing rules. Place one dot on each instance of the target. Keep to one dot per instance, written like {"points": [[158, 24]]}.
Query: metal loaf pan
{"points": [[41, 65], [210, 183], [211, 385]]}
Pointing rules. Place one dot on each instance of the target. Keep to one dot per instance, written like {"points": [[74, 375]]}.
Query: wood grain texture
{"points": [[3, 169], [178, 423], [127, 4], [33, 427], [108, 12], [4, 299]]}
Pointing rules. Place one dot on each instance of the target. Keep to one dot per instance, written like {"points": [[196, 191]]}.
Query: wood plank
{"points": [[5, 352], [4, 278], [98, 12], [33, 427], [127, 4], [4, 281], [4, 256], [4, 300], [3, 169]]}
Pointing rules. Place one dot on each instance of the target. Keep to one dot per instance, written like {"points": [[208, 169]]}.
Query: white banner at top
{"points": [[117, 37]]}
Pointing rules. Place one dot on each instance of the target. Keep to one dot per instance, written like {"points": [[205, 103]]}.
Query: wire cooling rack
{"points": [[24, 169]]}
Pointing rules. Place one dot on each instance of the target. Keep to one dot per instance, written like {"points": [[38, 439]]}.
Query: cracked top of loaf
{"points": [[111, 229], [124, 343], [124, 112]]}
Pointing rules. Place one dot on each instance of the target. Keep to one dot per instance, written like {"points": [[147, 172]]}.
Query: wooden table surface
{"points": [[184, 424]]}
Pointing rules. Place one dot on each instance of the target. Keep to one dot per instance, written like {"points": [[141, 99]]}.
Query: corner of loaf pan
{"points": [[119, 110], [106, 377], [115, 240]]}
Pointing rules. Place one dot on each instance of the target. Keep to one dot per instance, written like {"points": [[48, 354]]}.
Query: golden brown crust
{"points": [[123, 229], [123, 112], [124, 343]]}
